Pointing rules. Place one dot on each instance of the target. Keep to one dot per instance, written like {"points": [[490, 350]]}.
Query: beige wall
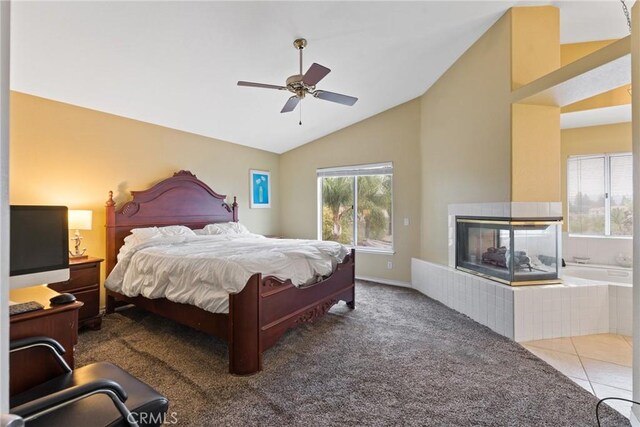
{"points": [[466, 136], [591, 140], [67, 155], [390, 136]]}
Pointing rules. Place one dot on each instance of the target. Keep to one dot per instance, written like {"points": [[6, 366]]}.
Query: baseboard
{"points": [[385, 281], [635, 422]]}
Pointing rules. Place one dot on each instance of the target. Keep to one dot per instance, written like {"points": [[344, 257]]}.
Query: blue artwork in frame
{"points": [[260, 182]]}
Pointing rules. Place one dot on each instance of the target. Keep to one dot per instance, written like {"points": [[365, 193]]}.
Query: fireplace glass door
{"points": [[509, 251]]}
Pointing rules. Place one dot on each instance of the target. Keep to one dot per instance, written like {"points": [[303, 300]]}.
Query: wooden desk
{"points": [[33, 366]]}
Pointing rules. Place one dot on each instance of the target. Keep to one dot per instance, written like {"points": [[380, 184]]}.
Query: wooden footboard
{"points": [[266, 308], [259, 314]]}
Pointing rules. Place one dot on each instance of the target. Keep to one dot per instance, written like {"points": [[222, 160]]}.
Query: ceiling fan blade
{"points": [[335, 97], [262, 85], [291, 104], [314, 74]]}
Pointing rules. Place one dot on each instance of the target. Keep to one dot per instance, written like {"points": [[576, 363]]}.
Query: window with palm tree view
{"points": [[600, 195], [356, 205]]}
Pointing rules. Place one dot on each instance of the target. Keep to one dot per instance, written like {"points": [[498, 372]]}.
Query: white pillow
{"points": [[211, 229], [225, 228], [143, 234], [138, 235], [176, 230]]}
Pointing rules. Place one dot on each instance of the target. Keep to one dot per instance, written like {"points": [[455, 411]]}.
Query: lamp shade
{"points": [[80, 219]]}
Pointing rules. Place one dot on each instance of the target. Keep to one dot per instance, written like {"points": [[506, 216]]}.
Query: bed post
{"points": [[111, 233], [352, 304], [234, 206], [245, 353], [110, 305], [110, 207]]}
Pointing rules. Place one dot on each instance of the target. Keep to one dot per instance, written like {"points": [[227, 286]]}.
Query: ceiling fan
{"points": [[305, 84]]}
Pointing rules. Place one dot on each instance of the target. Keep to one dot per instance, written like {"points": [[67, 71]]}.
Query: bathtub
{"points": [[601, 273]]}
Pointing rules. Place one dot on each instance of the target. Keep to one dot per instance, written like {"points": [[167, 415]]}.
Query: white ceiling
{"points": [[596, 117], [176, 64]]}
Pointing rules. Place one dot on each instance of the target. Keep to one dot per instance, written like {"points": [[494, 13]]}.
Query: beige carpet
{"points": [[400, 358]]}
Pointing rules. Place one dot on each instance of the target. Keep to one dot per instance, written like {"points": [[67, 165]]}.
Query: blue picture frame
{"points": [[260, 185]]}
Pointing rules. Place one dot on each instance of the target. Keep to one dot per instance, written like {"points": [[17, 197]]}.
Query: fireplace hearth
{"points": [[512, 251]]}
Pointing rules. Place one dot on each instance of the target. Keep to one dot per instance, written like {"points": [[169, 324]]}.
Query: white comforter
{"points": [[204, 270]]}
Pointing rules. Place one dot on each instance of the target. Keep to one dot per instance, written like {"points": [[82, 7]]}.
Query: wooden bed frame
{"points": [[261, 312]]}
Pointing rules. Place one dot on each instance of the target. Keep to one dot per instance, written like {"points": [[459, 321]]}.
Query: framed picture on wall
{"points": [[260, 182]]}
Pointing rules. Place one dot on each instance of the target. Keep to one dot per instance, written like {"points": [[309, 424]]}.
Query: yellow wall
{"points": [[390, 136], [535, 43], [535, 167], [535, 129], [466, 136], [67, 155], [591, 140], [570, 52]]}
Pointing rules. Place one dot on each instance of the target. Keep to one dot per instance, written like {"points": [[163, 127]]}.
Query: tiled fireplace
{"points": [[522, 313]]}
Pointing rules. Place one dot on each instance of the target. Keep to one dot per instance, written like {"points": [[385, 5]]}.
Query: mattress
{"points": [[204, 270]]}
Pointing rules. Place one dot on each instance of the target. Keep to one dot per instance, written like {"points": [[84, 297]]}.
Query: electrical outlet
{"points": [[406, 221], [390, 265]]}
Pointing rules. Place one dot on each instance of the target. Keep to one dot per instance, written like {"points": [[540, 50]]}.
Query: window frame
{"points": [[336, 173], [607, 191]]}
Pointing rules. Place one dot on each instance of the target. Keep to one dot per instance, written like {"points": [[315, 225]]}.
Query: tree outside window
{"points": [[364, 220]]}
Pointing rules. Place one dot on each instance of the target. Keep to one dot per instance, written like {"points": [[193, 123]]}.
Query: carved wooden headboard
{"points": [[180, 200]]}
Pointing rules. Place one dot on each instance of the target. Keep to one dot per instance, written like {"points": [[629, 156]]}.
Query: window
{"points": [[600, 195], [356, 206]]}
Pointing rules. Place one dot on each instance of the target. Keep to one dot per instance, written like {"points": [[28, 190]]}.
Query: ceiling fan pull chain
{"points": [[300, 122]]}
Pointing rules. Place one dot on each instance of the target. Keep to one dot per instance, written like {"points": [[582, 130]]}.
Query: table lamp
{"points": [[79, 220]]}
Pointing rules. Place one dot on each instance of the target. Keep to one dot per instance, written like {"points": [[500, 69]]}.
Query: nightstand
{"points": [[84, 283]]}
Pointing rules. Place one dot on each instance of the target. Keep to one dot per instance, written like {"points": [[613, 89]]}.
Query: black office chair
{"points": [[100, 394]]}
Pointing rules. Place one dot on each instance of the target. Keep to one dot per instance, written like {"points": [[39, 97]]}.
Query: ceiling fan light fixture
{"points": [[305, 84]]}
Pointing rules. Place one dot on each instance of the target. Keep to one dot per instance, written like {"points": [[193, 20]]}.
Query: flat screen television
{"points": [[39, 245]]}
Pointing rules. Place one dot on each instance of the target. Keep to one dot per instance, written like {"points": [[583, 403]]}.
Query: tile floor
{"points": [[601, 363]]}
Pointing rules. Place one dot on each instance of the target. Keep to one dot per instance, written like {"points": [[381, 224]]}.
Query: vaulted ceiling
{"points": [[176, 64]]}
